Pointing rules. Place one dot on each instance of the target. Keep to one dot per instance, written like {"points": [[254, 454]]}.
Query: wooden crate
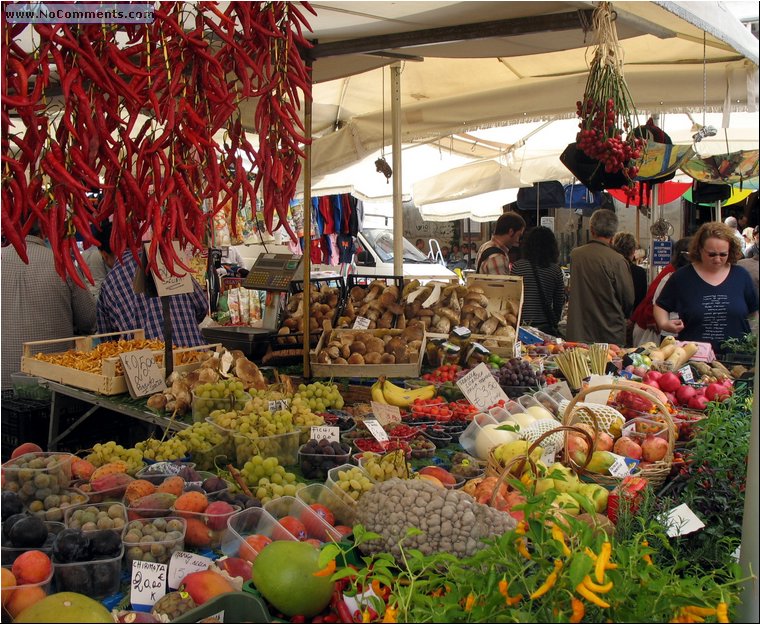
{"points": [[365, 370], [107, 382]]}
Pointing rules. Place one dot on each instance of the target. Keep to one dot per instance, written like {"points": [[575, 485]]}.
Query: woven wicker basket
{"points": [[657, 472]]}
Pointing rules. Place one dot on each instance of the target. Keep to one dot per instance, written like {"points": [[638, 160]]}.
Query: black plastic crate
{"points": [[23, 420], [364, 281]]}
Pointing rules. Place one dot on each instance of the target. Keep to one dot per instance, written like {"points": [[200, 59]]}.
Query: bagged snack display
{"points": [[233, 302]]}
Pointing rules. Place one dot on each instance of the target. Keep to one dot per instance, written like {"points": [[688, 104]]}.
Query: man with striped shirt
{"points": [[493, 256]]}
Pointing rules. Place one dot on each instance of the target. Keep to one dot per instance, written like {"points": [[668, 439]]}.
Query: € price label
{"points": [[142, 373], [147, 585], [183, 563], [481, 389], [686, 374], [377, 431], [331, 434], [361, 322], [386, 413], [166, 283], [279, 404]]}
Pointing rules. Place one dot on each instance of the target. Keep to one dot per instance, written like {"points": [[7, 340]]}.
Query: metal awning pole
{"points": [[398, 213], [307, 237]]}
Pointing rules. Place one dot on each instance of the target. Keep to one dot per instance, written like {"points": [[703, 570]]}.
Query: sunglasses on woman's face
{"points": [[714, 254]]}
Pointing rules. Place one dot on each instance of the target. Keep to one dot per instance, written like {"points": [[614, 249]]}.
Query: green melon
{"points": [[284, 574], [65, 607]]}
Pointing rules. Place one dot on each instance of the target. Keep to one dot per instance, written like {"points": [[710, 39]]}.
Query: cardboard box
{"points": [[411, 369]]}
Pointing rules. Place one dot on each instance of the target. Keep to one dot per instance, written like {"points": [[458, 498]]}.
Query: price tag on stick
{"points": [[183, 563], [142, 373], [331, 434], [481, 389], [376, 429], [147, 585], [386, 413], [166, 283]]}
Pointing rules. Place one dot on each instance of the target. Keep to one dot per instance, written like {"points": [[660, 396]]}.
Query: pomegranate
{"points": [[684, 394], [652, 383], [669, 382], [627, 447], [698, 402], [577, 448], [716, 392], [653, 375], [653, 449], [604, 441]]}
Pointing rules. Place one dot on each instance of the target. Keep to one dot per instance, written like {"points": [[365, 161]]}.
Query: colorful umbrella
{"points": [[662, 160], [667, 192], [736, 197], [724, 168]]}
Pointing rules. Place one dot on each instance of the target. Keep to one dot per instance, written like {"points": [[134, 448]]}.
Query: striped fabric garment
{"points": [[550, 281]]}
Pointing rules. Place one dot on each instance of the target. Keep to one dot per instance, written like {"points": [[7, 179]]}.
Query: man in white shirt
{"points": [[734, 225]]}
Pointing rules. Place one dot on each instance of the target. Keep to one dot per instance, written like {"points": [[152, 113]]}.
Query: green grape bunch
{"points": [[321, 396], [352, 483], [384, 467], [169, 450], [110, 451], [268, 480], [227, 394]]}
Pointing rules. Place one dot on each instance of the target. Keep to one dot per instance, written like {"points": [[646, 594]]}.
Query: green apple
{"points": [[542, 485], [597, 494], [567, 504], [565, 479]]}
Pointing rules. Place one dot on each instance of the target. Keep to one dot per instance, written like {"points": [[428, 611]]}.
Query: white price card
{"points": [[142, 373], [481, 389], [331, 434], [386, 413], [361, 323], [166, 283], [279, 404], [147, 585], [183, 563], [686, 374], [681, 520], [376, 429], [620, 467], [518, 349]]}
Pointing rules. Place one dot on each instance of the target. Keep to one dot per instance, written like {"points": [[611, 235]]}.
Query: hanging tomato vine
{"points": [[165, 171], [607, 111]]}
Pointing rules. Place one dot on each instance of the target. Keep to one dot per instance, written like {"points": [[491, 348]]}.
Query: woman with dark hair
{"points": [[644, 327], [711, 299], [543, 283]]}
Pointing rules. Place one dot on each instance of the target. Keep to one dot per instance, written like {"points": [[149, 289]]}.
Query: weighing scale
{"points": [[273, 274]]}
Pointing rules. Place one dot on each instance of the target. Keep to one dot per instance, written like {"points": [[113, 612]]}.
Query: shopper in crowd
{"points": [[712, 299], [751, 265], [420, 244], [732, 223], [37, 304], [120, 308], [748, 238], [445, 253], [753, 249], [601, 288], [644, 327], [456, 254], [493, 256], [543, 283], [625, 244]]}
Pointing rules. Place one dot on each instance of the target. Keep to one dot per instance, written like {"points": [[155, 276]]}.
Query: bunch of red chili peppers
{"points": [[187, 73]]}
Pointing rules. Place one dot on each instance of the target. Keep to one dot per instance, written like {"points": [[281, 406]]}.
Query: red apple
{"points": [[23, 449]]}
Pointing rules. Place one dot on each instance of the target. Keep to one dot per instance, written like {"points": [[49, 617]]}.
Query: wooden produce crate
{"points": [[411, 369], [500, 290], [107, 382]]}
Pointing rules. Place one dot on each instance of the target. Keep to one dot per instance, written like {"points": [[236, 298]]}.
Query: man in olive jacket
{"points": [[601, 288]]}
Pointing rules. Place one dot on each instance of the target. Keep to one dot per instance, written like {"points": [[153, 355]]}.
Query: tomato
{"points": [[290, 525], [252, 546], [323, 512]]}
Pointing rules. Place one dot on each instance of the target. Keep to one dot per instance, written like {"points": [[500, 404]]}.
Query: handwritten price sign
{"points": [[386, 413], [143, 375], [481, 389], [183, 563], [148, 584], [166, 283], [323, 432]]}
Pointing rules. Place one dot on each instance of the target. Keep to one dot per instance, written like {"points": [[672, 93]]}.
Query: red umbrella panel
{"points": [[642, 197]]}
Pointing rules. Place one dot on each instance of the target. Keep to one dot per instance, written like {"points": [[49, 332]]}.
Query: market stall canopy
{"points": [[470, 65]]}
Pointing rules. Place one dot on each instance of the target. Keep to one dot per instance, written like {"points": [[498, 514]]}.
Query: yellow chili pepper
{"points": [[647, 558], [522, 548], [601, 589], [469, 602], [521, 528], [327, 570], [579, 610], [549, 582], [390, 616], [701, 611], [366, 617], [504, 591], [721, 612], [601, 562], [591, 596], [559, 535]]}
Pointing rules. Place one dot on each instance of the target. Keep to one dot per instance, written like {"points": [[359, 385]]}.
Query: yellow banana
{"points": [[377, 391], [403, 397]]}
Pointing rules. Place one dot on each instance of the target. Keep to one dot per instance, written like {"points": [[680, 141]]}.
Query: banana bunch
{"points": [[383, 391]]}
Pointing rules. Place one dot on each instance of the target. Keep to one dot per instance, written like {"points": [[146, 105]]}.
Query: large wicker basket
{"points": [[655, 473]]}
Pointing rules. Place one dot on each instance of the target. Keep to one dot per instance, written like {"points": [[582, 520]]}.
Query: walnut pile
{"points": [[373, 347]]}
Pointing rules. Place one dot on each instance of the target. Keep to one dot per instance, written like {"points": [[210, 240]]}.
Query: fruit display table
{"points": [[62, 394]]}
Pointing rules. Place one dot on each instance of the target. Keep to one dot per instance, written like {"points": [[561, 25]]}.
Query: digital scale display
{"points": [[272, 272]]}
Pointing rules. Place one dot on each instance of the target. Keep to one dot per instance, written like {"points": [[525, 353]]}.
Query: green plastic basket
{"points": [[235, 606]]}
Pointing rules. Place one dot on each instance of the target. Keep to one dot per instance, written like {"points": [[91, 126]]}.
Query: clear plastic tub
{"points": [[250, 530], [206, 530], [316, 465], [548, 402], [204, 460], [639, 428], [343, 486], [54, 507], [315, 527], [116, 512], [168, 537], [469, 436], [9, 553], [45, 586], [35, 476], [202, 407], [318, 494], [156, 473], [283, 446], [114, 494], [97, 579]]}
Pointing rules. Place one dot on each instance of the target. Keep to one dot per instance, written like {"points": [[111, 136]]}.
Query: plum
{"points": [[28, 532], [11, 504]]}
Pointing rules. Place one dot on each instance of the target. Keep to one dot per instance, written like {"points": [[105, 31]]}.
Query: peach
{"points": [[444, 476]]}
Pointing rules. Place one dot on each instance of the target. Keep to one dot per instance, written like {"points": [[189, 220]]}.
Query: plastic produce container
{"points": [[318, 494], [116, 512], [156, 473], [468, 437], [97, 579], [201, 407], [236, 606], [54, 508], [45, 586], [36, 475], [204, 460], [10, 553], [334, 483], [257, 524], [206, 530], [114, 494], [316, 465], [314, 526], [283, 446], [168, 537]]}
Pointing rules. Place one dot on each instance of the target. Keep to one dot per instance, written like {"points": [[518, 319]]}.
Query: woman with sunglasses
{"points": [[711, 299]]}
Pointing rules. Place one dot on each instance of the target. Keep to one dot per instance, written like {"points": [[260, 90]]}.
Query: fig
{"points": [[71, 545], [214, 484], [28, 532], [106, 544], [11, 520], [11, 504], [135, 617]]}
